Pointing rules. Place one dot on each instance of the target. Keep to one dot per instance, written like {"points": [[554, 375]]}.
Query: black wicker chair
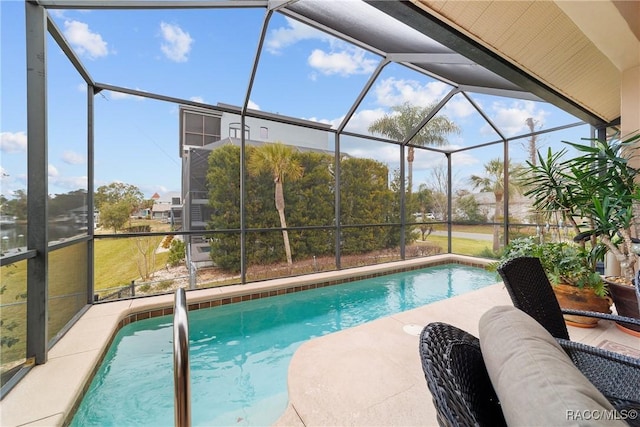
{"points": [[531, 292], [616, 376], [457, 378], [462, 392]]}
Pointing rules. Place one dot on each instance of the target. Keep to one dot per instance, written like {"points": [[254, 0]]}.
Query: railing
{"points": [[181, 360]]}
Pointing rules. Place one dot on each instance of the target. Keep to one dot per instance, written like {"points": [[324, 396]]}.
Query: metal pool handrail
{"points": [[181, 374]]}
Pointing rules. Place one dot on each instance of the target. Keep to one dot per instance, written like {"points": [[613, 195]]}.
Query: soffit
{"points": [[539, 38]]}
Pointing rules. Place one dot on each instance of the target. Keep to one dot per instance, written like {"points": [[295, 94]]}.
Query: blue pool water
{"points": [[240, 353]]}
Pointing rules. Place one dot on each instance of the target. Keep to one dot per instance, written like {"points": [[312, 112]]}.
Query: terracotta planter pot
{"points": [[575, 298], [626, 302]]}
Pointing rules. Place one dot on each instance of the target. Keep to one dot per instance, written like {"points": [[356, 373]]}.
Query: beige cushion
{"points": [[533, 377]]}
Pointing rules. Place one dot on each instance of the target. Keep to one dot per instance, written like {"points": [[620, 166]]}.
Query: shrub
{"points": [[176, 252]]}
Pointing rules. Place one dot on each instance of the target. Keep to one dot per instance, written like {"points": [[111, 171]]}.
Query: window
{"points": [[200, 129], [234, 131], [264, 132]]}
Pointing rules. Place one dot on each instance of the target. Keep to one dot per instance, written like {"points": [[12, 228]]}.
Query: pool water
{"points": [[240, 353]]}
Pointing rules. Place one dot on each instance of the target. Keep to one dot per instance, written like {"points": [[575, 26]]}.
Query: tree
{"points": [[404, 119], [438, 184], [121, 194], [366, 199], [532, 143], [147, 204], [468, 209], [280, 162], [223, 182], [115, 215], [177, 252], [145, 251], [63, 204], [493, 181], [423, 200], [16, 206], [311, 202]]}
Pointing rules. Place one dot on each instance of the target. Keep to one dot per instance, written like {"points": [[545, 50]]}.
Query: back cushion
{"points": [[535, 380]]}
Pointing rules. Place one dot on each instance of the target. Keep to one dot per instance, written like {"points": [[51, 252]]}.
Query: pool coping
{"points": [[58, 385]]}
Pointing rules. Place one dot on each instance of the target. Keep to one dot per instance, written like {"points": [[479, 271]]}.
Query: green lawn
{"points": [[116, 261], [461, 245], [116, 264]]}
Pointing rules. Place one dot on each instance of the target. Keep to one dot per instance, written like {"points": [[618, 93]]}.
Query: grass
{"points": [[115, 265], [116, 261], [461, 245]]}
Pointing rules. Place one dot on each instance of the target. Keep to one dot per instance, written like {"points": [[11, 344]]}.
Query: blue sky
{"points": [[206, 56]]}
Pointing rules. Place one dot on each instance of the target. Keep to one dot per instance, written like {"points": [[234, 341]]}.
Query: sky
{"points": [[206, 56]]}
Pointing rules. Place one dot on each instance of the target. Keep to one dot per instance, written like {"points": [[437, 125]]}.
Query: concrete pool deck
{"points": [[372, 377]]}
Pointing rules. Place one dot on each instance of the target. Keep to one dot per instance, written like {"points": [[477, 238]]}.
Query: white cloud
{"points": [[57, 13], [425, 161], [511, 118], [52, 171], [72, 158], [11, 182], [359, 122], [294, 32], [253, 105], [151, 189], [345, 62], [385, 153], [340, 58], [82, 87], [197, 99], [458, 107], [13, 142], [84, 40], [117, 96], [69, 182], [177, 42], [391, 92]]}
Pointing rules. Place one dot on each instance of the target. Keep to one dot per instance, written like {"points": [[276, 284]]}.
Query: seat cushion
{"points": [[536, 382]]}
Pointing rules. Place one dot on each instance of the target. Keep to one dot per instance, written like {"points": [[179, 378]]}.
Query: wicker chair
{"points": [[616, 376], [462, 392], [457, 378], [531, 292]]}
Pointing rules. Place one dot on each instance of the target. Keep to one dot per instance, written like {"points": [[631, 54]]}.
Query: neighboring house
{"points": [[162, 206], [202, 131], [519, 206], [141, 213], [161, 211]]}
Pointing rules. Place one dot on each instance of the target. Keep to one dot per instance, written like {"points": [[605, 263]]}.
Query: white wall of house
{"points": [[268, 131]]}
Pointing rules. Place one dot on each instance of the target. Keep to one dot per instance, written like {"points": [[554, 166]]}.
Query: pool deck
{"points": [[374, 376], [369, 375]]}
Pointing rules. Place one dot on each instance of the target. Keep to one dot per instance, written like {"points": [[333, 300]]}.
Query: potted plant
{"points": [[597, 193], [570, 270]]}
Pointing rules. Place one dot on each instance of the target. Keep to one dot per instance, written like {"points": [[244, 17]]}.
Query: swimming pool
{"points": [[240, 353]]}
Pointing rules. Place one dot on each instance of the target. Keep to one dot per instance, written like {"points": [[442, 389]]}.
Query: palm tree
{"points": [[278, 160], [423, 199], [403, 119], [493, 181]]}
